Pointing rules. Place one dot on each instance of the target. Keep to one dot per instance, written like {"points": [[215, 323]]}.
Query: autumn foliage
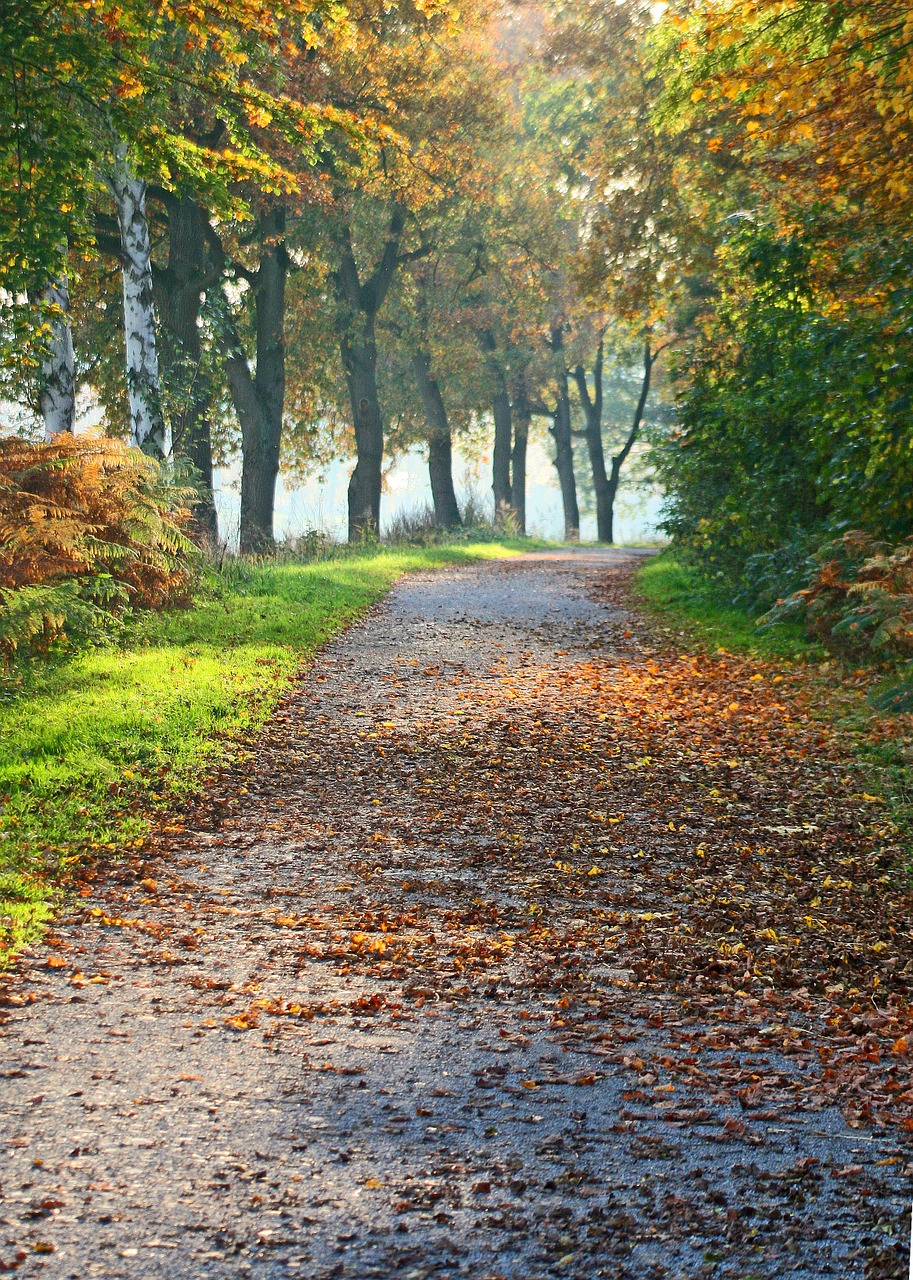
{"points": [[88, 528], [859, 598]]}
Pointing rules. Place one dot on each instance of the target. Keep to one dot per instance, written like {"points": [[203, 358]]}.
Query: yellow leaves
{"points": [[528, 1084], [373, 1184], [595, 871], [242, 1022], [362, 943], [697, 94]]}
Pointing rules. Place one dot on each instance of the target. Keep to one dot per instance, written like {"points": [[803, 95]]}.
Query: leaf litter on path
{"points": [[525, 946]]}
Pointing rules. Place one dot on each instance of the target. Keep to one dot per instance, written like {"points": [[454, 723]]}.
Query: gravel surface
{"points": [[353, 1022]]}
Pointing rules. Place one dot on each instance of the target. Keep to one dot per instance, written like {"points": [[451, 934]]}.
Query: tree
{"points": [[148, 429], [358, 304], [440, 444], [57, 377], [434, 89], [606, 483]]}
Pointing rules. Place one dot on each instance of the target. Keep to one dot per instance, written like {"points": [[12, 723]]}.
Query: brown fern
{"points": [[89, 510]]}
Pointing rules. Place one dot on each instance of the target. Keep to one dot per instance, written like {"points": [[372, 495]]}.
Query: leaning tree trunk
{"points": [[179, 288], [440, 444], [148, 428], [564, 461], [501, 412], [259, 398], [522, 423], [57, 390]]}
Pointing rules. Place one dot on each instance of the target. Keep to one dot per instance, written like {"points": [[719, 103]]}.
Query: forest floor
{"points": [[528, 944]]}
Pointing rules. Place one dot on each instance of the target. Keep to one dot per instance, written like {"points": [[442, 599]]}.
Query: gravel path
{"points": [[368, 1021]]}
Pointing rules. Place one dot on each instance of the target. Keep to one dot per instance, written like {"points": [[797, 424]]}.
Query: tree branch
{"points": [[583, 390], [619, 460], [373, 292]]}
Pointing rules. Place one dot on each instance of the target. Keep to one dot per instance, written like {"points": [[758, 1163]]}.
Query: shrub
{"points": [[416, 528], [859, 598], [88, 528], [419, 527]]}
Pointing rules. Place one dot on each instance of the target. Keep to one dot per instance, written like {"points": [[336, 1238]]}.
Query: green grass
{"points": [[94, 750], [680, 595]]}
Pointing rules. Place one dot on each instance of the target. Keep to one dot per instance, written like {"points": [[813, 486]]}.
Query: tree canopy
{"points": [[350, 229]]}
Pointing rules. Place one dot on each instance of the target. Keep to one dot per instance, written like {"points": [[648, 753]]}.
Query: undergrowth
{"points": [[677, 592], [90, 530]]}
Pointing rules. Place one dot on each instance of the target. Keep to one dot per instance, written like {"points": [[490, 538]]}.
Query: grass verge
{"points": [[96, 749], [680, 595], [880, 745]]}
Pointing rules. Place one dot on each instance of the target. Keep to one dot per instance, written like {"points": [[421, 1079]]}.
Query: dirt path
{"points": [[453, 988]]}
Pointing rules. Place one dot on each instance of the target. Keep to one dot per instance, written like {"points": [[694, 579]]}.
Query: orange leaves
{"points": [[90, 511], [830, 126], [362, 944], [242, 1022]]}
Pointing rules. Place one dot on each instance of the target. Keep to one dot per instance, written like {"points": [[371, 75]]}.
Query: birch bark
{"points": [[148, 428], [57, 394]]}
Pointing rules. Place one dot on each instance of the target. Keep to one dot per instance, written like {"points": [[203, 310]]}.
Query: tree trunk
{"points": [[564, 449], [522, 423], [57, 392], [359, 362], [259, 398], [501, 411], [592, 410], [357, 307], [148, 428], [440, 445], [179, 287], [620, 458]]}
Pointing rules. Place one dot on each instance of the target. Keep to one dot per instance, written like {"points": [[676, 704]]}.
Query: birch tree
{"points": [[57, 383], [148, 429]]}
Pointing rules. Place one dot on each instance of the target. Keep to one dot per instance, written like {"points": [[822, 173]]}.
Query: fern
{"points": [[859, 599], [88, 528]]}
